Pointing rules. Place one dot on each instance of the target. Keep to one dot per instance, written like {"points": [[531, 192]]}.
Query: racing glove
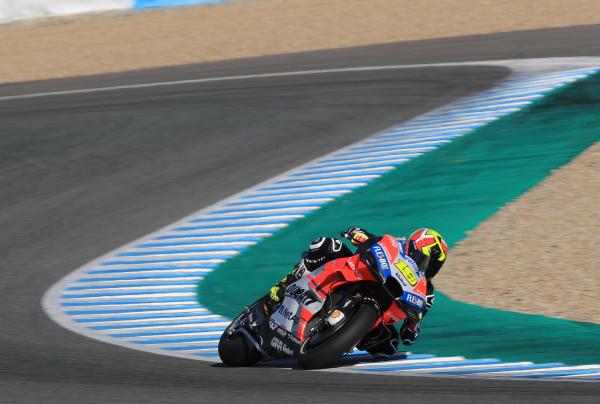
{"points": [[356, 235]]}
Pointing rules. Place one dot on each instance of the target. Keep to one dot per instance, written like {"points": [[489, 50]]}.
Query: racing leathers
{"points": [[383, 341]]}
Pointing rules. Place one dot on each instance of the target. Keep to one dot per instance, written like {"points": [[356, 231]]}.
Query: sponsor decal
{"points": [[381, 259], [414, 300], [280, 346], [304, 296], [407, 272], [291, 338], [286, 313], [335, 317], [401, 246]]}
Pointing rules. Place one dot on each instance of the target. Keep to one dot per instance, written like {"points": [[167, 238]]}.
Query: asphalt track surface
{"points": [[83, 174]]}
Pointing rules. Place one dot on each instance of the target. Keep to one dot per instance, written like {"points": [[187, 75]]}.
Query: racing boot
{"points": [[381, 342]]}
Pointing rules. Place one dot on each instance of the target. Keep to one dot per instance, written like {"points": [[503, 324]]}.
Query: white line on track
{"points": [[524, 63]]}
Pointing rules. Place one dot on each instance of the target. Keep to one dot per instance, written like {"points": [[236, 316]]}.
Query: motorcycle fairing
{"points": [[306, 297], [299, 305], [404, 270]]}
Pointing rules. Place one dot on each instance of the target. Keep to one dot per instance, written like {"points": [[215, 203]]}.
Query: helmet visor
{"points": [[422, 260]]}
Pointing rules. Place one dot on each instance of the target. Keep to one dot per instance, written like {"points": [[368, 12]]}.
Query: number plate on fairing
{"points": [[404, 270]]}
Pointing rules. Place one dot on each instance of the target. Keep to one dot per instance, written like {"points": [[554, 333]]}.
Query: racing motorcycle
{"points": [[327, 311]]}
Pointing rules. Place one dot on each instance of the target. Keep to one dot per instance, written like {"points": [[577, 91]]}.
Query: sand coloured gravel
{"points": [[112, 42], [553, 230], [560, 214]]}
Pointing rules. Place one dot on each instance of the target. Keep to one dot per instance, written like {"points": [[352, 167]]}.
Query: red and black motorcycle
{"points": [[326, 312]]}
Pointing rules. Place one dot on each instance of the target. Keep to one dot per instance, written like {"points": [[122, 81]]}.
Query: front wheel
{"points": [[235, 349], [345, 338]]}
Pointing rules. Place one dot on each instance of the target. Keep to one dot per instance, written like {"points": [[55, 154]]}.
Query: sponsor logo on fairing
{"points": [[283, 333], [288, 314], [280, 346], [335, 317], [413, 300], [304, 296], [382, 261]]}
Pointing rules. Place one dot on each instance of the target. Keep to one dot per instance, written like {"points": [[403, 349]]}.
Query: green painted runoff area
{"points": [[451, 189]]}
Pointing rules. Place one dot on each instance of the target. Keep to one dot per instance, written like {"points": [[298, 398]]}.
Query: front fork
{"points": [[252, 317]]}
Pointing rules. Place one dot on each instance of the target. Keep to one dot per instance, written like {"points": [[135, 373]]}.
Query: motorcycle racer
{"points": [[425, 247]]}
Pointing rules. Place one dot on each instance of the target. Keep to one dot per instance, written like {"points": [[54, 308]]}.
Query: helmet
{"points": [[428, 249]]}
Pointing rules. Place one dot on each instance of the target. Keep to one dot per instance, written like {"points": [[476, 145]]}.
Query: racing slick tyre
{"points": [[236, 350], [324, 352]]}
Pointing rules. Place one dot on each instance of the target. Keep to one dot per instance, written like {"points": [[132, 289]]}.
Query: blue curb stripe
{"points": [[341, 172], [181, 251], [218, 234], [503, 369], [205, 259], [151, 317], [141, 4], [148, 292], [129, 301], [142, 277], [397, 141], [559, 373], [271, 200], [393, 368], [160, 324], [367, 161], [408, 134], [131, 285], [168, 332], [267, 208], [234, 225], [177, 340], [178, 243], [386, 147], [369, 153], [214, 354], [204, 269], [190, 347], [130, 310], [327, 178], [345, 185], [346, 159]]}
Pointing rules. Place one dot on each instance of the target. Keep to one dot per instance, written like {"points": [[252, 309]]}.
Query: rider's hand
{"points": [[356, 235]]}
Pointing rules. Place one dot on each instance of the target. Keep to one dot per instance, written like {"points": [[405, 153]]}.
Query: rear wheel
{"points": [[325, 351]]}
